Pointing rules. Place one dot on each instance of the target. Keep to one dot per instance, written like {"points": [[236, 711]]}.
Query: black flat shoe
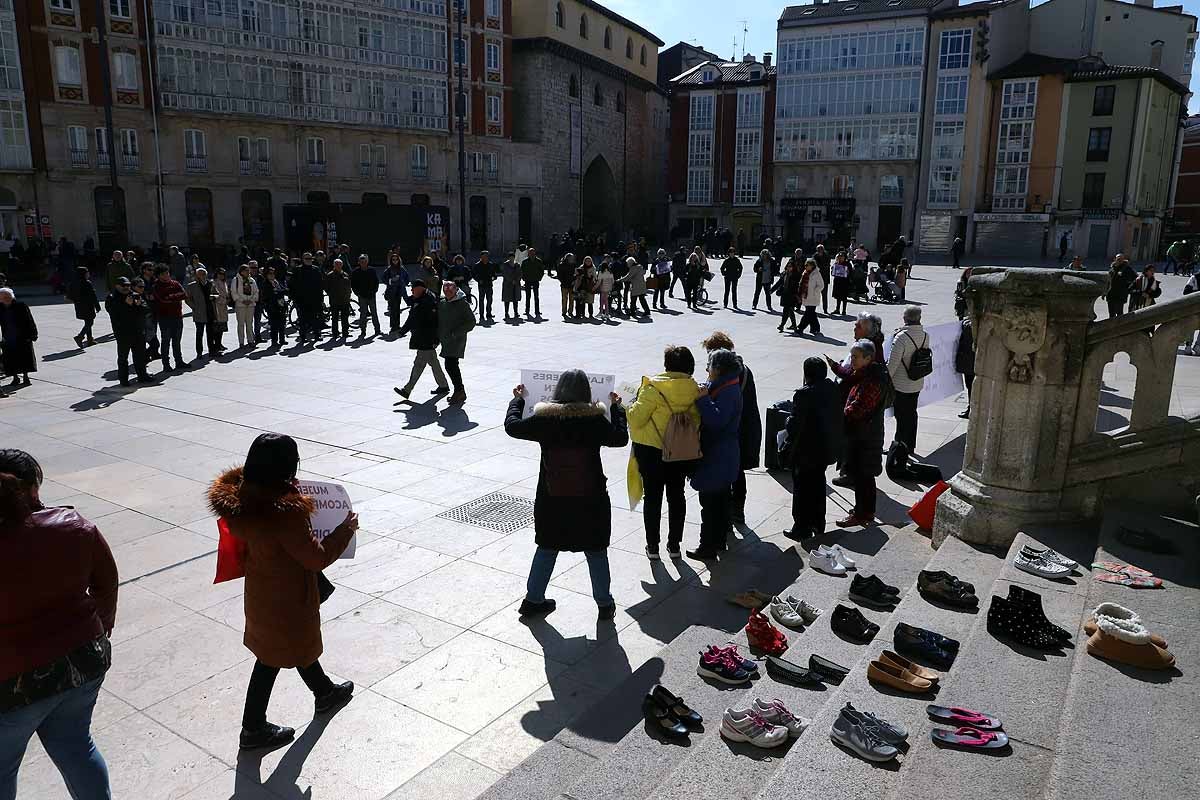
{"points": [[912, 645], [829, 671], [700, 554], [850, 622], [339, 695], [871, 591], [267, 736], [658, 717], [926, 576], [541, 609], [949, 591], [1033, 602], [679, 709], [1017, 623], [783, 670]]}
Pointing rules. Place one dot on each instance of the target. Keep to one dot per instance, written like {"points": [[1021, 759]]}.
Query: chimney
{"points": [[748, 58], [767, 60], [1144, 3]]}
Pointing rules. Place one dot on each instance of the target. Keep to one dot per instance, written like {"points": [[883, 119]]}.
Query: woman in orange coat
{"points": [[263, 506]]}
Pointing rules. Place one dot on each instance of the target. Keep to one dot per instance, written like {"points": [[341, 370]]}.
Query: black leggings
{"points": [[455, 373], [759, 288], [262, 681], [86, 331], [659, 477], [660, 294]]}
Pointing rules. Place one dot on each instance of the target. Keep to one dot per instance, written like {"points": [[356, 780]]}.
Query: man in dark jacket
{"points": [[822, 259], [305, 288], [485, 273], [679, 268], [127, 314], [365, 284], [458, 272], [815, 437], [337, 286], [533, 269], [731, 270], [422, 323], [1120, 280], [863, 414]]}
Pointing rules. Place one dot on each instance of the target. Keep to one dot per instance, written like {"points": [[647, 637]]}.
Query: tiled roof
{"points": [[1082, 70], [731, 72], [846, 8], [1117, 72], [1031, 65], [970, 9]]}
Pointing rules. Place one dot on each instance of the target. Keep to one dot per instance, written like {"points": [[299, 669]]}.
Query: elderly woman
{"points": [[636, 278], [571, 511], [263, 507], [863, 413], [220, 321], [18, 332], [809, 294], [764, 277], [720, 406], [58, 603]]}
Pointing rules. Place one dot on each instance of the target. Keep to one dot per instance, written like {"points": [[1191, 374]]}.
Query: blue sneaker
{"points": [[722, 667]]}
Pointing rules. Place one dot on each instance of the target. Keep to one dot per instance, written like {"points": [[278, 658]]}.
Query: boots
{"points": [[458, 398]]}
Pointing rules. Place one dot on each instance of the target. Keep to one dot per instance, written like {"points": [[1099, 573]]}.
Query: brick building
{"points": [[1185, 216]]}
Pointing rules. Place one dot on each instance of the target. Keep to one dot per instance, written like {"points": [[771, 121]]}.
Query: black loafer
{"points": [[339, 695], [926, 575], [829, 671], [267, 736], [659, 718], [680, 710], [936, 639], [850, 622], [950, 592], [910, 642], [783, 670], [871, 591]]}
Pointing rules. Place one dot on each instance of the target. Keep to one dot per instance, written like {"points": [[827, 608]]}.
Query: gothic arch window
{"points": [[573, 88], [583, 26], [643, 58], [607, 38], [598, 95], [559, 16]]}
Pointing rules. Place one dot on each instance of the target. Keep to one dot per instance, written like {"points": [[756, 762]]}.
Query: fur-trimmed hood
{"points": [[229, 497], [568, 410]]}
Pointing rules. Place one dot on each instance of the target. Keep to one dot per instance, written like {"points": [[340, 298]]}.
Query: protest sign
{"points": [[944, 381], [539, 388], [332, 505]]}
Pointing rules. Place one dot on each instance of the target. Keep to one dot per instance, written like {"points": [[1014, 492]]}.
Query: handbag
{"points": [[231, 554], [652, 282]]}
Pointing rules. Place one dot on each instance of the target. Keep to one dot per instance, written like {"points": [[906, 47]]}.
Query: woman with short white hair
{"points": [[18, 332]]}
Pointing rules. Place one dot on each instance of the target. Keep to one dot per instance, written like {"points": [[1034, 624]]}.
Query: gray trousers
{"points": [[423, 359]]}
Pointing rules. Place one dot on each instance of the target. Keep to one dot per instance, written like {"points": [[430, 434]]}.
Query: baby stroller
{"points": [[858, 280], [886, 290]]}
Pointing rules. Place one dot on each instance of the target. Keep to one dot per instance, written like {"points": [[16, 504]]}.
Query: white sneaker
{"points": [[825, 561], [776, 713], [785, 614], [747, 725], [808, 613], [840, 554]]}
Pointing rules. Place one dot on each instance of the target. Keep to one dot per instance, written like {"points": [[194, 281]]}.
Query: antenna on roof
{"points": [[745, 29]]}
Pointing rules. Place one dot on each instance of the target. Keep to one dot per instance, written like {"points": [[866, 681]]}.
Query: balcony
{"points": [[244, 167], [196, 163], [316, 168], [80, 158], [364, 170], [131, 162], [891, 194], [381, 172], [102, 161], [419, 171], [262, 166]]}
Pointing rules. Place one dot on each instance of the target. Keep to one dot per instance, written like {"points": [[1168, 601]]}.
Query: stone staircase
{"points": [[1058, 708]]}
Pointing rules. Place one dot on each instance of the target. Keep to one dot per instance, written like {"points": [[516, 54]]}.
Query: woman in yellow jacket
{"points": [[671, 392]]}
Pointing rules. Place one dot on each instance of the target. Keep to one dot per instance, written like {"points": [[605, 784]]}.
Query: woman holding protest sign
{"points": [[262, 506]]}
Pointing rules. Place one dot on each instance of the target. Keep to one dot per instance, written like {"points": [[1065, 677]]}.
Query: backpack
{"points": [[681, 437], [921, 362]]}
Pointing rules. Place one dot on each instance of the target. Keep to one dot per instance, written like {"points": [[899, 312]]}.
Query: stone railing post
{"points": [[1030, 327]]}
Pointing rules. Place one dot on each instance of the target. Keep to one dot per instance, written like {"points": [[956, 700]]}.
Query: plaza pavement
{"points": [[453, 691]]}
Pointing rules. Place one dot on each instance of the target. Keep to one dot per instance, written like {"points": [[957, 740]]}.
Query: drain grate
{"points": [[496, 511]]}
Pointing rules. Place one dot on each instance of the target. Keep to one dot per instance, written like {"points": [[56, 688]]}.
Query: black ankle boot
{"points": [[339, 695], [1033, 602], [1017, 623]]}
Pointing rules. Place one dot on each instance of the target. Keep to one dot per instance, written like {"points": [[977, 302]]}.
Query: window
{"points": [[748, 147], [598, 95], [262, 152], [243, 146], [1020, 99], [700, 144], [460, 50], [364, 159], [951, 96], [891, 189], [1016, 139], [701, 112], [493, 164], [492, 53], [129, 143], [315, 149], [573, 87], [843, 186], [643, 58], [699, 187], [381, 159], [493, 108], [66, 65], [1093, 190], [1098, 142], [745, 186], [117, 8], [948, 140], [1102, 101], [77, 144], [492, 8], [102, 142], [125, 69], [629, 48], [418, 161], [750, 109], [1009, 188], [708, 75], [954, 51], [607, 38], [583, 26], [194, 143], [943, 185], [63, 5], [559, 15]]}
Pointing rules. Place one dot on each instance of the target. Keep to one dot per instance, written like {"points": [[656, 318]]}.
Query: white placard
{"points": [[333, 504], [539, 388], [944, 381]]}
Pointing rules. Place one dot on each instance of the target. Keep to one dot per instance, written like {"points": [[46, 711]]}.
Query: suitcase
{"points": [[776, 421]]}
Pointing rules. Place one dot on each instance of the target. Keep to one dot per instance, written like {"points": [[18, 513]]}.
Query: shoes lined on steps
{"points": [[870, 591], [1122, 637], [1022, 624], [866, 736]]}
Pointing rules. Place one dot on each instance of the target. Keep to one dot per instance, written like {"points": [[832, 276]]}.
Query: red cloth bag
{"points": [[231, 554], [923, 510]]}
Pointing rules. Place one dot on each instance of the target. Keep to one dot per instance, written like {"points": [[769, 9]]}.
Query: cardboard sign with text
{"points": [[945, 381], [333, 504], [539, 388]]}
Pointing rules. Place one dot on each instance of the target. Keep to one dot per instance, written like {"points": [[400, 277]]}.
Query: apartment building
{"points": [[16, 160]]}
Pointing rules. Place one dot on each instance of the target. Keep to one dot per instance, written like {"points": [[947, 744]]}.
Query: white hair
{"points": [[865, 347], [9, 293], [912, 315]]}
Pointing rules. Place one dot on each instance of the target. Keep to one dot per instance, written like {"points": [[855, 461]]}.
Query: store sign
{"points": [[1101, 213], [980, 217], [836, 208]]}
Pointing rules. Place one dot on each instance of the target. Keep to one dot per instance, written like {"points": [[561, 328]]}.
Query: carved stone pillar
{"points": [[1029, 327]]}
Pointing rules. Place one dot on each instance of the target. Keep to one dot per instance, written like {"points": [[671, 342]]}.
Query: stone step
{"points": [[1090, 750], [816, 766], [1024, 688]]}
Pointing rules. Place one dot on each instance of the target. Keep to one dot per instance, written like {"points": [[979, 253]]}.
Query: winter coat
{"points": [[200, 299], [455, 320], [396, 282], [637, 280], [221, 302], [1121, 277], [657, 399], [864, 416], [167, 298], [812, 293], [815, 427], [364, 282], [19, 332], [765, 271], [283, 557], [87, 304], [127, 319], [822, 259], [1143, 292], [58, 589], [732, 267], [964, 356], [484, 272], [605, 281], [510, 289], [337, 286], [245, 292], [306, 286], [788, 288], [571, 511], [720, 419], [117, 269], [905, 342], [458, 273], [274, 297], [422, 323], [533, 269], [750, 430], [179, 267]]}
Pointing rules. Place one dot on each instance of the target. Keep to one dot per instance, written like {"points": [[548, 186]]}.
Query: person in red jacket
{"points": [[168, 298], [58, 603]]}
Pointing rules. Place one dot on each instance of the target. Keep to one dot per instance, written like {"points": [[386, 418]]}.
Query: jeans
{"points": [[532, 292], [808, 500], [485, 300], [62, 722], [340, 314], [809, 320], [368, 306], [204, 334], [714, 519], [906, 419], [761, 288], [731, 288], [262, 681], [455, 374], [425, 358], [170, 331], [542, 569], [659, 477]]}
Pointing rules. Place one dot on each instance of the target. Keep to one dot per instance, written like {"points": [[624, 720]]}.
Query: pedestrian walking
{"points": [[455, 320], [58, 603], [678, 272], [337, 286], [815, 434], [87, 305], [510, 286], [18, 332], [246, 298], [262, 505], [863, 413], [904, 367], [533, 269], [764, 277], [720, 406], [750, 428], [810, 292], [731, 271], [485, 274], [422, 328], [693, 280], [572, 511], [788, 289], [956, 250]]}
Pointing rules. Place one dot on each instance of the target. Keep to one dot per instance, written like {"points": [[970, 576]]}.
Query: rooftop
{"points": [[801, 15], [617, 18], [730, 72], [1082, 70]]}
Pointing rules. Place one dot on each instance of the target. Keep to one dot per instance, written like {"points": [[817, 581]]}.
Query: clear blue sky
{"points": [[714, 24]]}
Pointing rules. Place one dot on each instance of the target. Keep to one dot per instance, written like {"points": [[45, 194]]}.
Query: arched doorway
{"points": [[601, 214]]}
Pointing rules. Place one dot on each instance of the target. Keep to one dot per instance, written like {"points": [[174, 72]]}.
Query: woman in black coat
{"points": [[87, 305], [815, 439], [572, 511], [19, 332], [750, 430]]}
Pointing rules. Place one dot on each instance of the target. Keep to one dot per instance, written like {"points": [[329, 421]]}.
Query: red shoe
{"points": [[764, 636]]}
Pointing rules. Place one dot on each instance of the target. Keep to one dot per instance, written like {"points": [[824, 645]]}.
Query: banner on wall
{"points": [[539, 388], [944, 381]]}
